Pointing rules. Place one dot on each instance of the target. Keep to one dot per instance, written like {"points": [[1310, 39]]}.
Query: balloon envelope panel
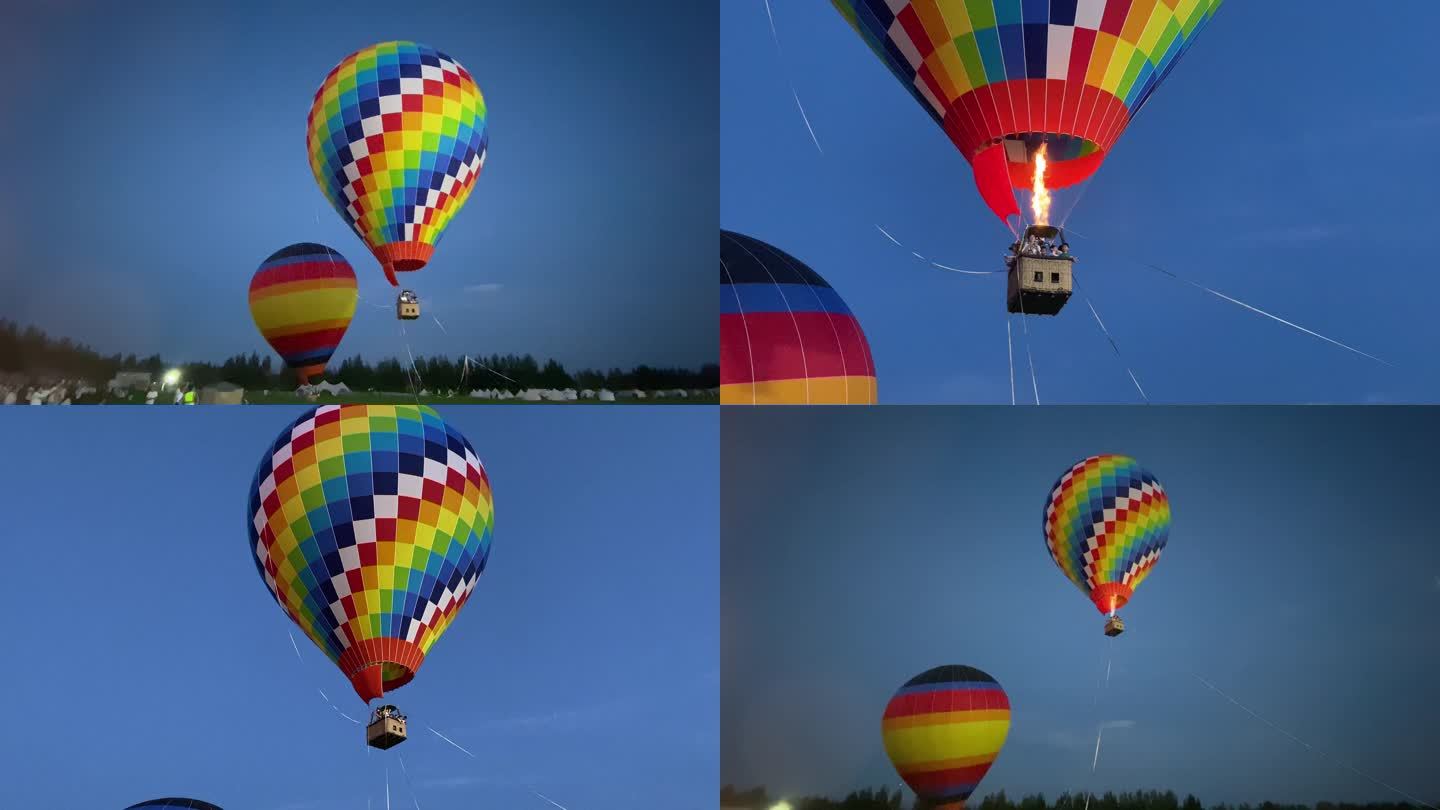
{"points": [[786, 337], [371, 525], [173, 804]]}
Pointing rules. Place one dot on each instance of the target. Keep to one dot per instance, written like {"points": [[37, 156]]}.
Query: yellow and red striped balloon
{"points": [[943, 730], [302, 299]]}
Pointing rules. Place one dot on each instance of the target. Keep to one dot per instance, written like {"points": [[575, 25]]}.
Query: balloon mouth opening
{"points": [[1110, 597], [305, 373], [403, 257], [375, 666]]}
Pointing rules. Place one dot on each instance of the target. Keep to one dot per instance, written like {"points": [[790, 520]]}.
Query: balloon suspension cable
{"points": [[416, 383], [469, 361], [1100, 720], [325, 697], [1237, 302], [1113, 345], [1030, 358], [775, 35], [935, 264], [1010, 355], [1347, 766], [784, 67], [467, 753], [410, 786]]}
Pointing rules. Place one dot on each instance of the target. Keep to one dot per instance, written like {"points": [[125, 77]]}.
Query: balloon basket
{"points": [[1114, 626], [407, 306], [387, 729]]}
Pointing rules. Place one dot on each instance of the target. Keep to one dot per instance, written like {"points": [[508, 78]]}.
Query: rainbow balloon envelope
{"points": [[371, 525], [302, 300], [786, 337], [1106, 521], [1006, 78], [397, 139], [943, 730]]}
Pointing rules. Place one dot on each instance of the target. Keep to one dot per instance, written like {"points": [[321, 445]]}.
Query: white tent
{"points": [[606, 395], [530, 395]]}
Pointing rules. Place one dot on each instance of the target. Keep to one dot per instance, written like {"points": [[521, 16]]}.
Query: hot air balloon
{"points": [[1034, 95], [943, 730], [1106, 521], [302, 299], [786, 337], [173, 804], [371, 525], [396, 139]]}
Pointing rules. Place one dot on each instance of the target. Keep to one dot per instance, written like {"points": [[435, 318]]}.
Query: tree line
{"points": [[29, 352], [886, 799]]}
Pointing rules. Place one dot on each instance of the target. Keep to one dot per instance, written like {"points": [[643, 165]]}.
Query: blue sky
{"points": [[150, 659], [1302, 578], [1278, 165], [163, 160]]}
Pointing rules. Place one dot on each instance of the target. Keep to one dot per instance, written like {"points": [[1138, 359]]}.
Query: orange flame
{"points": [[1040, 197]]}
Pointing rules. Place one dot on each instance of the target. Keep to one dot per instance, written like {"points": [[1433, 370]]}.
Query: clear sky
{"points": [[1302, 578], [1278, 164], [162, 159], [148, 659]]}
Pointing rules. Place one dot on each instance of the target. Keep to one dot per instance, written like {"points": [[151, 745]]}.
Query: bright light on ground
{"points": [[781, 806]]}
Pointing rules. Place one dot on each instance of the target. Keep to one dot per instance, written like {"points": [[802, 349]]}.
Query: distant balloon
{"points": [[302, 300], [1106, 521], [174, 804], [786, 337], [943, 730], [371, 525], [396, 139], [1006, 78]]}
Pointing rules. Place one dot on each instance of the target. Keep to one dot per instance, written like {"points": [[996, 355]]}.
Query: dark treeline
{"points": [[885, 799], [30, 352]]}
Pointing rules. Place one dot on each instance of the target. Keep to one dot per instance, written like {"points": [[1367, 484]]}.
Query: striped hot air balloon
{"points": [[943, 730], [1106, 521], [302, 299], [786, 337]]}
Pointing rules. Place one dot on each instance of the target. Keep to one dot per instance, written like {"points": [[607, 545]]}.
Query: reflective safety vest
{"points": [[189, 397]]}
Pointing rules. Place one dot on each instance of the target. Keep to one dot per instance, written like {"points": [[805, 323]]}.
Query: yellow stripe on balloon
{"points": [[852, 390], [957, 739]]}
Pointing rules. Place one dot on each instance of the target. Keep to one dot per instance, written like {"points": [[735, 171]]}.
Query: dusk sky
{"points": [[152, 661], [1279, 164], [162, 159], [1302, 578]]}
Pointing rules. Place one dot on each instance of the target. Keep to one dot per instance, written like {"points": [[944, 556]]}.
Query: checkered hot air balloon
{"points": [[1106, 521], [943, 730], [786, 337], [1004, 78], [396, 140], [371, 525], [302, 299]]}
